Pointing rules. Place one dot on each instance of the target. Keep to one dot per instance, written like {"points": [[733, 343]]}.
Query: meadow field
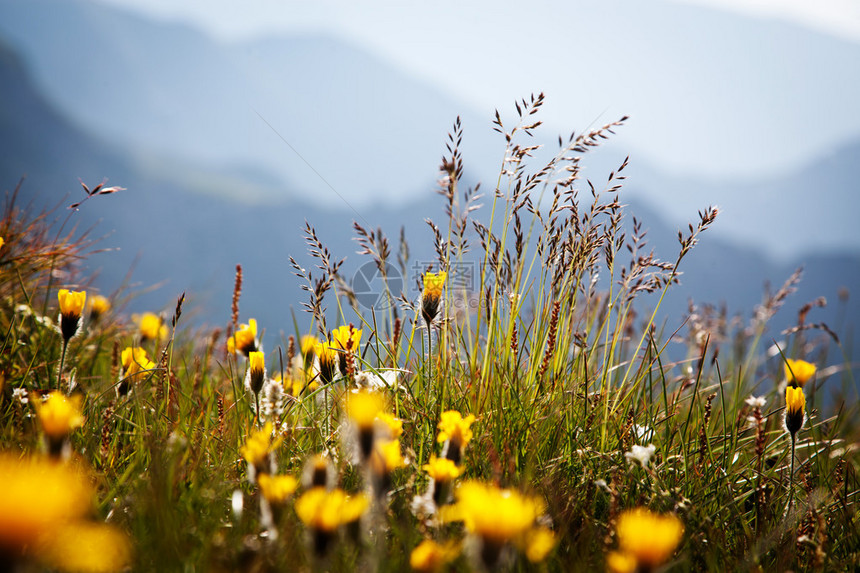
{"points": [[539, 420]]}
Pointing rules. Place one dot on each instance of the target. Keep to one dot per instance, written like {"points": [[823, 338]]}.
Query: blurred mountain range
{"points": [[203, 197]]}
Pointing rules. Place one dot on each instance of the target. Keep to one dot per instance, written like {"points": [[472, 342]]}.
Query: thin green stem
{"points": [[791, 475], [62, 364]]}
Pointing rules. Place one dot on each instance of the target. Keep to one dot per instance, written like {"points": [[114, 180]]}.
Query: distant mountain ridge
{"points": [[170, 89], [809, 209], [193, 238], [314, 117]]}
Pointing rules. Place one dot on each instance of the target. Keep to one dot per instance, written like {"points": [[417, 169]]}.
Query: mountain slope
{"points": [[811, 208], [193, 240], [313, 111]]}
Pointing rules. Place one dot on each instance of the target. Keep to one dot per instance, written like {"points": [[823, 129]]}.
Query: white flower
{"points": [[756, 402], [423, 506], [641, 454], [386, 379], [20, 394], [237, 503], [601, 483]]}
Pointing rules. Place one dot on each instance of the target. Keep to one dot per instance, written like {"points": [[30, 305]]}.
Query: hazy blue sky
{"points": [[489, 53], [230, 19]]}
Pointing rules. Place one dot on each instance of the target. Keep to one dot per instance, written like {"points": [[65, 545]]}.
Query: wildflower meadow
{"points": [[539, 421]]}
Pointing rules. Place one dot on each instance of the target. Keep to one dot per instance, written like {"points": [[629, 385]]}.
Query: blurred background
{"points": [[230, 124]]}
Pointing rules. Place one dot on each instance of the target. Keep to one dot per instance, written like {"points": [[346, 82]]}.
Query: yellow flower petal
{"points": [[798, 371], [99, 305], [442, 469], [617, 562], [59, 415], [151, 326], [325, 511], [795, 409], [85, 547], [452, 424], [346, 337], [434, 283], [495, 514], [276, 489], [244, 340], [363, 407], [539, 541], [134, 360], [430, 556], [649, 537], [72, 302], [795, 400], [259, 445], [38, 496]]}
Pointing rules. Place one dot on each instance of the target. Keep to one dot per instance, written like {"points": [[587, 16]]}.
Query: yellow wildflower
{"points": [[498, 516], [59, 415], [539, 541], [71, 309], [393, 426], [362, 408], [135, 365], [798, 372], [387, 457], [431, 557], [85, 546], [346, 337], [442, 470], [443, 473], [453, 425], [151, 326], [134, 360], [318, 472], [37, 496], [277, 489], [617, 562], [795, 409], [457, 431], [430, 297], [650, 538], [244, 340], [98, 306], [258, 447], [327, 354], [492, 513], [256, 371], [325, 511], [308, 344], [42, 512]]}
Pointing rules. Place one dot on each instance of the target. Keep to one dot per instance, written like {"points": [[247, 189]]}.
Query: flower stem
{"points": [[62, 364], [791, 476]]}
